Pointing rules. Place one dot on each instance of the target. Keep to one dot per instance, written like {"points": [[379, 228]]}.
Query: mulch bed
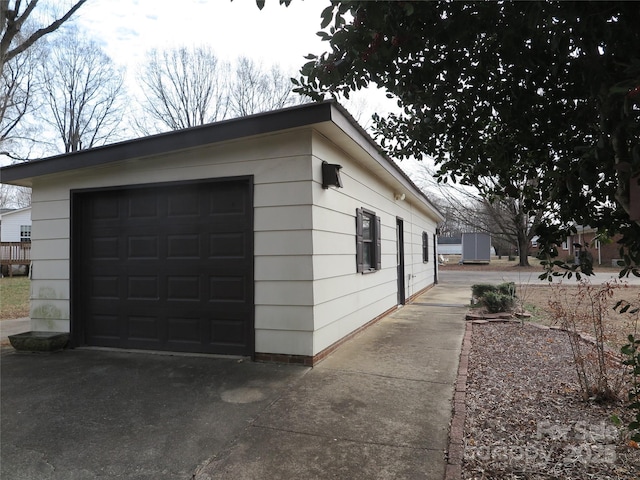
{"points": [[525, 417]]}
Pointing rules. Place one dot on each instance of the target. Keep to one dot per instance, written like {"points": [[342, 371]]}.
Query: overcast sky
{"points": [[281, 35], [276, 34]]}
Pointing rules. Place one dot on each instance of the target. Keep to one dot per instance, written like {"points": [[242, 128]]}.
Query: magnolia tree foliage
{"points": [[540, 98]]}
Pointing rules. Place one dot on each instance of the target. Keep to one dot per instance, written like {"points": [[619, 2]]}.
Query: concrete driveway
{"points": [[377, 408], [87, 414]]}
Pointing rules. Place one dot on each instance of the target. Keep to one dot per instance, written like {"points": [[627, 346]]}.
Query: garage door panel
{"points": [[105, 208], [184, 329], [184, 246], [142, 328], [184, 288], [143, 246], [105, 287], [104, 248], [143, 287], [184, 203], [227, 289], [106, 328], [227, 245], [227, 331], [143, 205], [167, 268], [227, 200]]}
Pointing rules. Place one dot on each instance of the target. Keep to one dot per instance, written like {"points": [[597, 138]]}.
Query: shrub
{"points": [[497, 302], [588, 311], [480, 289], [507, 288]]}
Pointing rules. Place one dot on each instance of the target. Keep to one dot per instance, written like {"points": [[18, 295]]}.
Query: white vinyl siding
{"points": [[308, 294], [281, 167], [11, 223], [344, 299]]}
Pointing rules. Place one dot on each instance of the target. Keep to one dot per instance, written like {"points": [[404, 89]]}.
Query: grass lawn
{"points": [[14, 297]]}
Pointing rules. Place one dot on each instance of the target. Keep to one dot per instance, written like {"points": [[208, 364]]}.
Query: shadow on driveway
{"points": [[378, 408], [85, 414]]}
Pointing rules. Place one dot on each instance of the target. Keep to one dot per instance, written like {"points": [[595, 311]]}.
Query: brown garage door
{"points": [[168, 267]]}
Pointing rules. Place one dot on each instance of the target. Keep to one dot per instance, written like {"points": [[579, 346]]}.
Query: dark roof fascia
{"points": [[226, 130], [390, 163], [262, 123]]}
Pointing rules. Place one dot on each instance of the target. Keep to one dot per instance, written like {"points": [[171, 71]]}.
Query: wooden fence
{"points": [[14, 253]]}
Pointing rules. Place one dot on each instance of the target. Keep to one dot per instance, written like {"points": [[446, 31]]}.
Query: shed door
{"points": [[165, 268]]}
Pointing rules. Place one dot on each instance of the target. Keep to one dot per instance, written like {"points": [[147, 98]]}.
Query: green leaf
{"points": [[408, 8], [327, 16]]}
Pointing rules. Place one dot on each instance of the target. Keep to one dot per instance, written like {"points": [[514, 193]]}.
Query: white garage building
{"points": [[276, 235]]}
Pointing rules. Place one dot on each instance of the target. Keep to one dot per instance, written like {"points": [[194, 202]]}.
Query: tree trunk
{"points": [[523, 249]]}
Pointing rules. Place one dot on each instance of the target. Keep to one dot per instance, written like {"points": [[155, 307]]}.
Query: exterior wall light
{"points": [[331, 175]]}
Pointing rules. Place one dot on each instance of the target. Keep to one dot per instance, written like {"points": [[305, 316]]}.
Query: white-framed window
{"points": [[25, 233]]}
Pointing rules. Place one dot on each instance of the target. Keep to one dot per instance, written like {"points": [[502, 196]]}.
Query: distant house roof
{"points": [[11, 211], [449, 240]]}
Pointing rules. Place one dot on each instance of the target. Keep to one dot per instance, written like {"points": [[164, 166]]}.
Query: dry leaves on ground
{"points": [[525, 418], [536, 300]]}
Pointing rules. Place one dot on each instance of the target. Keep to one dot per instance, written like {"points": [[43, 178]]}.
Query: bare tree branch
{"points": [[84, 93], [184, 87], [256, 90], [12, 20], [506, 219]]}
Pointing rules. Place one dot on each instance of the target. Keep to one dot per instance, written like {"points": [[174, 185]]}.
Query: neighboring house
{"points": [[15, 225], [604, 253], [449, 245], [15, 238], [276, 235], [585, 238]]}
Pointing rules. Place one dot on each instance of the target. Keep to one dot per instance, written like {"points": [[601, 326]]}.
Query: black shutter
{"points": [[378, 249], [359, 242], [425, 247]]}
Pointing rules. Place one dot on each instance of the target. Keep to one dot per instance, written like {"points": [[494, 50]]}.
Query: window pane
{"points": [[367, 254], [366, 227], [25, 233]]}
